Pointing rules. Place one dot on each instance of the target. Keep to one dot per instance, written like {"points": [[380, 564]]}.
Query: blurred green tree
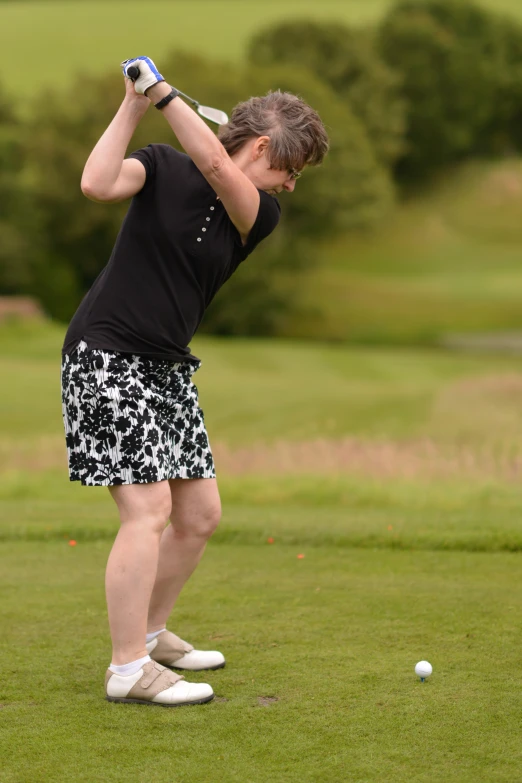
{"points": [[460, 71], [16, 216], [76, 234], [348, 60], [503, 132]]}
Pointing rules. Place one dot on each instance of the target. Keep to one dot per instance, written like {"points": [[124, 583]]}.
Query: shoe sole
{"points": [[158, 703], [204, 669]]}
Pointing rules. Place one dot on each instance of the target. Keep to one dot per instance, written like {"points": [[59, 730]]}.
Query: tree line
{"points": [[434, 83]]}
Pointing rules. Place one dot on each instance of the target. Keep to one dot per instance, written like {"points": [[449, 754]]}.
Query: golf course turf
{"points": [[322, 590]]}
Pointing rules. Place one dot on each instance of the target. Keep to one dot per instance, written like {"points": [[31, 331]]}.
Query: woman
{"points": [[131, 411]]}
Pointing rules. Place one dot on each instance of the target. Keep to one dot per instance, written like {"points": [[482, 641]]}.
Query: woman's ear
{"points": [[260, 147]]}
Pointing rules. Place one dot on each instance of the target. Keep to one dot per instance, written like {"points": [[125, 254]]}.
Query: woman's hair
{"points": [[297, 135]]}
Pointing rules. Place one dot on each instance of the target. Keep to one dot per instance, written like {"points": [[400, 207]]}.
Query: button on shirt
{"points": [[175, 249]]}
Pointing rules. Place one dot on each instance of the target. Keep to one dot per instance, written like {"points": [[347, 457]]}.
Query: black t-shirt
{"points": [[175, 249]]}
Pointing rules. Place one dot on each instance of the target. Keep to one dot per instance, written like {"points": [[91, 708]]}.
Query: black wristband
{"points": [[167, 99]]}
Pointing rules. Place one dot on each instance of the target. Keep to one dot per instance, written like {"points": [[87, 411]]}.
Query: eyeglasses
{"points": [[294, 174]]}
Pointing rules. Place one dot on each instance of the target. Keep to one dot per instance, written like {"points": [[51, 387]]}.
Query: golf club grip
{"points": [[133, 72]]}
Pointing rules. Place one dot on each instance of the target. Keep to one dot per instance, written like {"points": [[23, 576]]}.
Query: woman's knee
{"points": [[149, 505], [196, 507], [201, 522]]}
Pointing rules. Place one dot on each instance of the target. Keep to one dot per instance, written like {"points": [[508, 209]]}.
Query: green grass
{"points": [[332, 639], [302, 511], [398, 566], [445, 261], [52, 41]]}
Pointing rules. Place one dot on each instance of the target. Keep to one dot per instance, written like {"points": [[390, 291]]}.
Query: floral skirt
{"points": [[132, 420]]}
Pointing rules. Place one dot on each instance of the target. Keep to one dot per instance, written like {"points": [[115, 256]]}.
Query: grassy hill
{"points": [[446, 261], [47, 43]]}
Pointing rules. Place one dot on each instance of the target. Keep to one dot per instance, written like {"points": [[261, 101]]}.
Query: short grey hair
{"points": [[297, 135]]}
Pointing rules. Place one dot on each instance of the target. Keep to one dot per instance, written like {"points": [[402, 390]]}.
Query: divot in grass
{"points": [[266, 701]]}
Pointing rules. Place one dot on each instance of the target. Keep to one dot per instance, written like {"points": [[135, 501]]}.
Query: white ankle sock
{"points": [[130, 668], [151, 636]]}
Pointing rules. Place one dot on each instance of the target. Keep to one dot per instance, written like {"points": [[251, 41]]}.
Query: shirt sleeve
{"points": [[161, 157], [267, 219], [146, 156]]}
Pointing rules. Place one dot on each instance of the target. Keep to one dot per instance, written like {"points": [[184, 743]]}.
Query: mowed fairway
{"points": [[45, 44], [411, 550]]}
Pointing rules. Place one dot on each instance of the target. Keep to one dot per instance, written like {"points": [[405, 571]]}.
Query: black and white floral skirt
{"points": [[132, 420]]}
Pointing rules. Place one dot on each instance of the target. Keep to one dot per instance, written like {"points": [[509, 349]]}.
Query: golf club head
{"points": [[213, 115]]}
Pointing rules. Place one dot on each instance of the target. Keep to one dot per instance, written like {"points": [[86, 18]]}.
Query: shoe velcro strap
{"points": [[156, 679], [153, 674]]}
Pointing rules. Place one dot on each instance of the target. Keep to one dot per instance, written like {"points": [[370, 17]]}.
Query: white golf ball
{"points": [[423, 669]]}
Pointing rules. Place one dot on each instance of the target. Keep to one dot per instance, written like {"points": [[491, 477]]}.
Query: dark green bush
{"points": [[503, 132], [460, 68], [16, 213], [350, 189], [348, 61]]}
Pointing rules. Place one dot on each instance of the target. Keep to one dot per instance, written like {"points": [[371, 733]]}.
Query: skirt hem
{"points": [[113, 483]]}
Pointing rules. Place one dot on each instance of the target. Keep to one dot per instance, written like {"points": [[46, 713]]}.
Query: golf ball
{"points": [[423, 669]]}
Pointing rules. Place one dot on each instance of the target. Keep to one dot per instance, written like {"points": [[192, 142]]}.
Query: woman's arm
{"points": [[238, 194], [107, 176]]}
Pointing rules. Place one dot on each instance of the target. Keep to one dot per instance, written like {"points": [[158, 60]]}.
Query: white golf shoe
{"points": [[155, 685], [169, 650]]}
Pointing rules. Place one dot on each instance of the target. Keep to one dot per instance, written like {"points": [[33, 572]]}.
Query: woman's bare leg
{"points": [[131, 569], [196, 511]]}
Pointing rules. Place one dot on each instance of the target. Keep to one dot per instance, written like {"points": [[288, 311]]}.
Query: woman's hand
{"points": [[147, 73], [140, 102]]}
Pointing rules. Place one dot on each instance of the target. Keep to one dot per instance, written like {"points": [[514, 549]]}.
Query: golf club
{"points": [[214, 115]]}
